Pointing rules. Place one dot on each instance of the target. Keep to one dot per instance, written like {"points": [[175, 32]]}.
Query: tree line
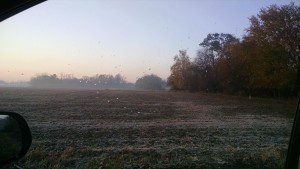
{"points": [[99, 81], [265, 61]]}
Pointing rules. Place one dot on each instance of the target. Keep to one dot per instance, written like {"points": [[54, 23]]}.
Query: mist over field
{"points": [[265, 61]]}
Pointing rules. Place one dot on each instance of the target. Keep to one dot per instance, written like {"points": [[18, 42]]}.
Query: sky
{"points": [[130, 37]]}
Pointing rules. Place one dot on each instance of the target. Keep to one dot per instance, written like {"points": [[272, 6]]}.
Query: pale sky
{"points": [[131, 37]]}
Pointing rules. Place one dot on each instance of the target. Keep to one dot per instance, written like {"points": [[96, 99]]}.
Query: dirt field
{"points": [[139, 129]]}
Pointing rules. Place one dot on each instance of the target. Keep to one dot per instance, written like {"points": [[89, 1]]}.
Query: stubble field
{"points": [[143, 129]]}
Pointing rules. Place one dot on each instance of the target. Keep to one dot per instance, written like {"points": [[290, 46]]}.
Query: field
{"points": [[142, 129]]}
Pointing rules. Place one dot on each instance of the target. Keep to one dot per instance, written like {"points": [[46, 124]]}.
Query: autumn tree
{"points": [[275, 34], [265, 62], [215, 47], [233, 68], [180, 78]]}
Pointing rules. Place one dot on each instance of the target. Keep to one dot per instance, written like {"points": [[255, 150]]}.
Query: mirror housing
{"points": [[15, 137]]}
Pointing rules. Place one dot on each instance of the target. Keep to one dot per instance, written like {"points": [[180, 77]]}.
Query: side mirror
{"points": [[15, 137]]}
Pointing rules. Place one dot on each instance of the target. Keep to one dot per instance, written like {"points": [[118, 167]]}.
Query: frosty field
{"points": [[143, 129]]}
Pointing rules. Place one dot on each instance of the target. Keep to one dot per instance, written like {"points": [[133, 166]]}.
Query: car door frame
{"points": [[292, 159]]}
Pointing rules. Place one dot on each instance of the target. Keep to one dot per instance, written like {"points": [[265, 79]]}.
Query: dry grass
{"points": [[137, 129]]}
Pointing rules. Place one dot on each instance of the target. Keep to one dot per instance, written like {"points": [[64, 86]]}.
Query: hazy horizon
{"points": [[132, 38]]}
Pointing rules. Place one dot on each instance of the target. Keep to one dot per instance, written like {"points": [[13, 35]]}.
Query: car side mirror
{"points": [[15, 137]]}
